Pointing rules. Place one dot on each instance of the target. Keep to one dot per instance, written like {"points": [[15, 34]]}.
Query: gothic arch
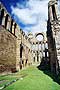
{"points": [[42, 34]]}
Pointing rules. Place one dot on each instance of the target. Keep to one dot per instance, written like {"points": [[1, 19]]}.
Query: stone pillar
{"points": [[50, 13], [56, 9], [32, 57], [39, 57], [1, 15], [36, 56], [40, 53], [13, 27], [8, 23], [53, 62], [18, 45], [44, 45], [51, 34], [18, 54], [17, 32], [24, 40], [41, 49], [22, 37], [3, 20], [29, 57]]}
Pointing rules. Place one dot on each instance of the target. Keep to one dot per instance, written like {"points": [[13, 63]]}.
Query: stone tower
{"points": [[53, 35]]}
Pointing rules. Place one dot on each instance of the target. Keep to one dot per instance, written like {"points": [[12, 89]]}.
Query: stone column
{"points": [[1, 15], [18, 47], [28, 56], [36, 56], [13, 27], [17, 32], [39, 57], [23, 56], [44, 45], [18, 54], [50, 13], [41, 49], [32, 57], [8, 23], [3, 20], [24, 40], [53, 63], [56, 9]]}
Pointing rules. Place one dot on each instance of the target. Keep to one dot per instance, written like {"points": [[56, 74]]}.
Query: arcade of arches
{"points": [[18, 50]]}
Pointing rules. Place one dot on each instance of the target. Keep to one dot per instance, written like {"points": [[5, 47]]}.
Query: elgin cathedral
{"points": [[18, 51]]}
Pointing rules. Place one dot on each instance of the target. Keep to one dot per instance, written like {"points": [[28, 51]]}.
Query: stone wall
{"points": [[53, 31], [15, 47], [7, 51]]}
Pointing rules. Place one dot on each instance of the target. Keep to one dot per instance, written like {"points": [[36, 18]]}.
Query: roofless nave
{"points": [[18, 50]]}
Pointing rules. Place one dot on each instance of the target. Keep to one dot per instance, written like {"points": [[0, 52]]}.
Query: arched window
{"points": [[11, 25], [39, 37], [14, 28], [1, 16], [6, 19]]}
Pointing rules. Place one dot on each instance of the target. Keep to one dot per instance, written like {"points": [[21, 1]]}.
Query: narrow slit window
{"points": [[54, 12]]}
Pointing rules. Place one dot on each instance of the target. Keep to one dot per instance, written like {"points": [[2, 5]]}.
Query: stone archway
{"points": [[22, 56]]}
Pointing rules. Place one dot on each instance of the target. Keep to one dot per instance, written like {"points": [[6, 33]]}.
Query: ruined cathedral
{"points": [[18, 50]]}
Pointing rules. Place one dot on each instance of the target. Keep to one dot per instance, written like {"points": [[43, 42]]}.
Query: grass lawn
{"points": [[34, 80], [4, 79]]}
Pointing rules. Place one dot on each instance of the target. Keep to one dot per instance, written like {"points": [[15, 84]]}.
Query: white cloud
{"points": [[35, 13], [59, 6], [24, 15], [40, 27]]}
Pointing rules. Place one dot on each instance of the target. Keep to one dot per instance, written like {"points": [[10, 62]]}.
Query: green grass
{"points": [[8, 78], [34, 80]]}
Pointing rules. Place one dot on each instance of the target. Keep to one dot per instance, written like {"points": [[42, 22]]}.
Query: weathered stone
{"points": [[7, 51], [53, 32]]}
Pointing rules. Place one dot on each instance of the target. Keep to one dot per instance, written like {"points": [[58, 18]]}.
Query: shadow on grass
{"points": [[45, 67]]}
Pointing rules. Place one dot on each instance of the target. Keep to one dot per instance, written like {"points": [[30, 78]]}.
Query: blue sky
{"points": [[31, 15]]}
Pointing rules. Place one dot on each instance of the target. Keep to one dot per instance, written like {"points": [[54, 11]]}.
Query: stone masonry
{"points": [[15, 47], [53, 35]]}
